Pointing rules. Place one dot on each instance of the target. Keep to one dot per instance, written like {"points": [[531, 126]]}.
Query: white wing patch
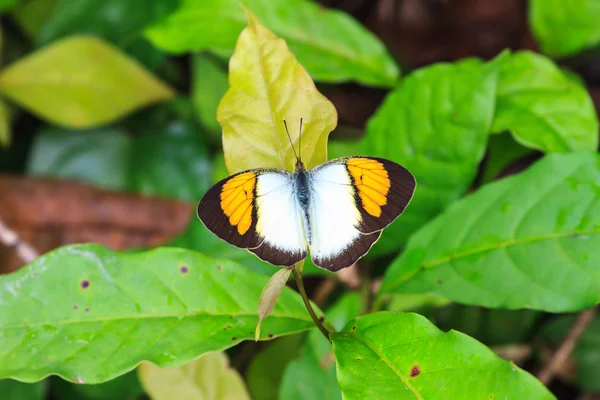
{"points": [[333, 213], [279, 216]]}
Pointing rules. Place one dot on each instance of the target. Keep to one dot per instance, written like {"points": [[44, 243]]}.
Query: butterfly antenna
{"points": [[300, 142], [290, 138]]}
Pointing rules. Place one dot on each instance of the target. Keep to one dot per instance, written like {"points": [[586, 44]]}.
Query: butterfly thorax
{"points": [[302, 183]]}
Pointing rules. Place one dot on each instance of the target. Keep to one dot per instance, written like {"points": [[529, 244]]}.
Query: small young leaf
{"points": [[421, 362], [330, 44], [543, 108], [436, 124], [81, 82], [4, 124], [550, 19], [89, 314], [208, 378], [513, 243], [269, 296], [266, 86]]}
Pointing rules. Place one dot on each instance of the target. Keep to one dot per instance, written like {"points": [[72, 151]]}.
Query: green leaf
{"points": [[81, 82], [172, 162], [7, 4], [435, 124], [586, 352], [502, 151], [4, 124], [116, 21], [267, 367], [419, 362], [412, 302], [330, 44], [124, 387], [550, 19], [266, 86], [208, 378], [312, 375], [32, 14], [89, 314], [513, 243], [15, 390], [542, 107], [209, 86], [269, 296]]}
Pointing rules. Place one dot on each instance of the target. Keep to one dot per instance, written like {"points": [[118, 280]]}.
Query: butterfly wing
{"points": [[352, 200], [257, 210]]}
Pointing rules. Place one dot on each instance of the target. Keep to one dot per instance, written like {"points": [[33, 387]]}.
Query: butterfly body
{"points": [[335, 210]]}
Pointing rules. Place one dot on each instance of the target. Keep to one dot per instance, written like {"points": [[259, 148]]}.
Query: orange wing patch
{"points": [[372, 183], [237, 199]]}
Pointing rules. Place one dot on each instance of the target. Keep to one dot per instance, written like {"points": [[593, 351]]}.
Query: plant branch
{"points": [[561, 355], [300, 284], [10, 238]]}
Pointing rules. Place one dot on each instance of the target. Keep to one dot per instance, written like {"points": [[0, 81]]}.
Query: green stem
{"points": [[300, 284]]}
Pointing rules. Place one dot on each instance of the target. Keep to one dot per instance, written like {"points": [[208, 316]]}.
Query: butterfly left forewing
{"points": [[353, 199]]}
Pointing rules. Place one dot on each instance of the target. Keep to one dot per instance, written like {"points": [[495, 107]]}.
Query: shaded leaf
{"points": [[4, 124], [31, 14], [209, 86], [208, 378], [403, 366], [269, 296], [89, 314], [586, 352], [7, 4], [329, 43], [436, 125], [543, 108], [313, 375], [513, 243], [171, 162], [80, 82], [502, 151], [412, 302], [267, 367], [15, 390], [550, 19], [124, 387], [266, 86]]}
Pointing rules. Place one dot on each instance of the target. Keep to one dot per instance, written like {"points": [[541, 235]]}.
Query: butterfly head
{"points": [[299, 164]]}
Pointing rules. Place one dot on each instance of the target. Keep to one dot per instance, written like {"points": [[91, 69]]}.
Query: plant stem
{"points": [[300, 284]]}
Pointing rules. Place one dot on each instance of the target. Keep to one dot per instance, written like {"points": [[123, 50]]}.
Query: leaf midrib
{"points": [[491, 247], [149, 317], [383, 358]]}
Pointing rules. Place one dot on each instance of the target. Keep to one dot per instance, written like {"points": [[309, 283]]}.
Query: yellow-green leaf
{"points": [[208, 378], [266, 86], [81, 82], [269, 296], [4, 125]]}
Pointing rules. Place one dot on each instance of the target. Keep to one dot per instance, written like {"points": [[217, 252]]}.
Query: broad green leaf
{"points": [[502, 151], [330, 44], [586, 352], [170, 162], [116, 21], [124, 387], [208, 378], [4, 124], [412, 302], [435, 124], [551, 19], [209, 85], [266, 86], [31, 14], [514, 243], [312, 375], [543, 108], [81, 82], [15, 390], [89, 314], [421, 362], [266, 369], [269, 296]]}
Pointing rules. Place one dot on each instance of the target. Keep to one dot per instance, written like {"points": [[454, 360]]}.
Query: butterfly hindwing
{"points": [[354, 198], [257, 210]]}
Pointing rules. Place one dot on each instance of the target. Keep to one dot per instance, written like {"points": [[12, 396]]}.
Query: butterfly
{"points": [[336, 210]]}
